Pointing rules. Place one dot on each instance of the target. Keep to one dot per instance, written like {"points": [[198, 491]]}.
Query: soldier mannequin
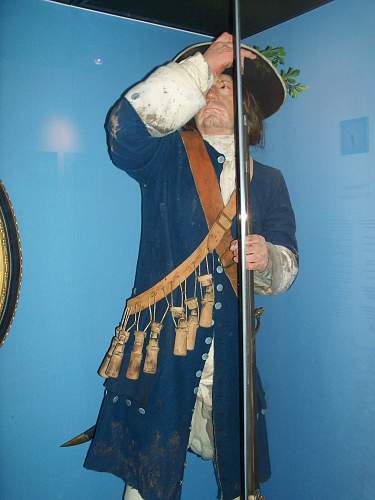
{"points": [[274, 262]]}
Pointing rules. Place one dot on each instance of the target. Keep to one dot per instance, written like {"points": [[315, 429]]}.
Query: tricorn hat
{"points": [[260, 77]]}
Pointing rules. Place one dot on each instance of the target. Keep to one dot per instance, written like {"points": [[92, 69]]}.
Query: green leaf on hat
{"points": [[277, 57]]}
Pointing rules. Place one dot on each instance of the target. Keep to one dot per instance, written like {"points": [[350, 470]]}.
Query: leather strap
{"points": [[170, 282], [210, 197], [204, 175], [162, 288]]}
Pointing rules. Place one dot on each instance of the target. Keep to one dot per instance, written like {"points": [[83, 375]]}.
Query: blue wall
{"points": [[79, 223], [317, 350]]}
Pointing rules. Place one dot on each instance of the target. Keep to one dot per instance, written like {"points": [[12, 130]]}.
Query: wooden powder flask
{"points": [[192, 303], [115, 363], [180, 343], [207, 300], [192, 327], [107, 358], [152, 349], [179, 319], [135, 362], [111, 363], [205, 279], [178, 312], [193, 322], [207, 308]]}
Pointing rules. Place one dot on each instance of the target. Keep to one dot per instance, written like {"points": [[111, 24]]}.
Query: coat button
{"points": [[208, 340], [128, 402], [204, 356], [219, 287], [195, 391], [221, 159], [115, 399], [219, 269], [142, 411], [198, 373], [218, 305]]}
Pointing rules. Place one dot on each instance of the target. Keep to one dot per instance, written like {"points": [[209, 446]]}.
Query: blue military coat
{"points": [[143, 427]]}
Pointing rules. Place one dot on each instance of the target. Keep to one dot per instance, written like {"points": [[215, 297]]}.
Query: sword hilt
{"points": [[257, 496]]}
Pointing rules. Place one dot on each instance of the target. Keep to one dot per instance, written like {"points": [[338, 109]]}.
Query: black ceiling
{"points": [[209, 17]]}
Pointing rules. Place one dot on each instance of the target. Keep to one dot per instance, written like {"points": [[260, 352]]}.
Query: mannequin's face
{"points": [[217, 117]]}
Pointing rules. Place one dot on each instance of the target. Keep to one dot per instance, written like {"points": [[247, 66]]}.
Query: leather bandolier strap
{"points": [[219, 230], [211, 200]]}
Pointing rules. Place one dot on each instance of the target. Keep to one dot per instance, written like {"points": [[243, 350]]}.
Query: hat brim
{"points": [[260, 77]]}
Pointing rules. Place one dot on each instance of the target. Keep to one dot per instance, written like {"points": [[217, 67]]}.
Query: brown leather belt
{"points": [[219, 230]]}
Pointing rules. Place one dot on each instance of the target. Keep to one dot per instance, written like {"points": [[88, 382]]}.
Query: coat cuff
{"points": [[171, 95], [280, 272]]}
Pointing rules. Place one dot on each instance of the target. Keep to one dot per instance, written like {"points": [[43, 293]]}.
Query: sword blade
{"points": [[84, 437]]}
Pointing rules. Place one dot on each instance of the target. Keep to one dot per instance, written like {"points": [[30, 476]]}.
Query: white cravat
{"points": [[224, 144]]}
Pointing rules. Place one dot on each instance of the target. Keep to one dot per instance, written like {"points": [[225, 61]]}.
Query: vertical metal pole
{"points": [[246, 283]]}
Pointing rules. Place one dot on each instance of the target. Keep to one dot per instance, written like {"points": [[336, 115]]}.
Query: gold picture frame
{"points": [[10, 264]]}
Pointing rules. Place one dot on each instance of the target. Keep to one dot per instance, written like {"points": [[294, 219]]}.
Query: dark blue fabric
{"points": [[143, 426]]}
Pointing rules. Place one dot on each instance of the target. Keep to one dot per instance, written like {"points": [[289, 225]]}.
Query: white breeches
{"points": [[131, 494]]}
